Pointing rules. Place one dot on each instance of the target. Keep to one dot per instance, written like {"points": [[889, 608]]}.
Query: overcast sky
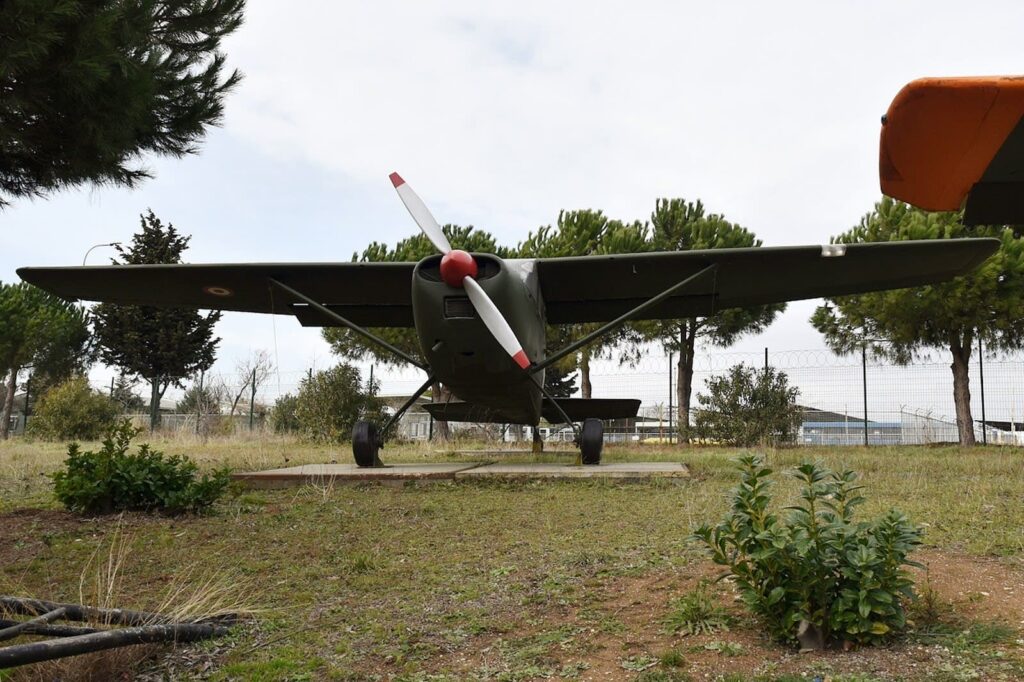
{"points": [[501, 114]]}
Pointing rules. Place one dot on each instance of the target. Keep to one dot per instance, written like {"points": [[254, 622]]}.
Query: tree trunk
{"points": [[684, 369], [961, 350], [5, 415], [439, 394], [585, 387], [154, 404]]}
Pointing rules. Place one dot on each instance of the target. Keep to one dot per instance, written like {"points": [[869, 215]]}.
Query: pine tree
{"points": [[124, 394], [987, 303], [559, 382], [87, 88], [585, 232], [680, 225], [41, 330], [160, 345]]}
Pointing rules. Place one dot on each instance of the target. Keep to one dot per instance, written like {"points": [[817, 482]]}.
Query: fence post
{"points": [[981, 375], [28, 398], [111, 387], [199, 400], [670, 398], [252, 400], [864, 383]]}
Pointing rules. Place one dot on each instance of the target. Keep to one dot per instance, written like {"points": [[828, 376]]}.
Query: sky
{"points": [[501, 114]]}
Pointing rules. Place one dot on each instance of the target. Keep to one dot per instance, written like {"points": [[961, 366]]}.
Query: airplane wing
{"points": [[579, 289], [947, 141], [368, 294], [600, 288]]}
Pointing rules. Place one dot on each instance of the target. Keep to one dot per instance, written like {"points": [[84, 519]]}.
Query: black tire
{"points": [[591, 441], [366, 444]]}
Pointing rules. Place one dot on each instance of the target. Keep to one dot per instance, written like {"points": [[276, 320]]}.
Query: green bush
{"points": [[110, 479], [72, 410], [282, 415], [330, 402], [815, 575], [205, 400], [748, 406]]}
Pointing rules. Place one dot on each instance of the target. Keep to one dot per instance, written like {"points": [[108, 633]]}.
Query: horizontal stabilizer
{"points": [[578, 409]]}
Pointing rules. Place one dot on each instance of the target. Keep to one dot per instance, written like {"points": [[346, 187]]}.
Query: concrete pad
{"points": [[617, 470], [328, 473]]}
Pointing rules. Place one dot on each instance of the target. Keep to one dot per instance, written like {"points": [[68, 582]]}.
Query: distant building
{"points": [[822, 427]]}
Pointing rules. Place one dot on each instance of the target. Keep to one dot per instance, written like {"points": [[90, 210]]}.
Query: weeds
{"points": [[696, 613], [193, 594]]}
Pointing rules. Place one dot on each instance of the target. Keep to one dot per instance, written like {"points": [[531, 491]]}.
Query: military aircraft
{"points": [[481, 319]]}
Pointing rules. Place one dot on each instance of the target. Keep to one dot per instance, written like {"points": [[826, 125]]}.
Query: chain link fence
{"points": [[846, 400]]}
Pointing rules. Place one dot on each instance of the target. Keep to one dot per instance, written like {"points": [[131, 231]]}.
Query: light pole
{"points": [[96, 246]]}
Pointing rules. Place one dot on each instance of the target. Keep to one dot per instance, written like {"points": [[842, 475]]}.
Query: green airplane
{"points": [[481, 319]]}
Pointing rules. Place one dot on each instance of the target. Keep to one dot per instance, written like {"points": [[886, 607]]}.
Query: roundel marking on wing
{"points": [[218, 291]]}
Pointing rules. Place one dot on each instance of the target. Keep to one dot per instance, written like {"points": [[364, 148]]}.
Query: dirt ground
{"points": [[513, 582], [973, 588]]}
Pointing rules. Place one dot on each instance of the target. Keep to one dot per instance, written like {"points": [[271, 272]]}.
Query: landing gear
{"points": [[366, 444], [367, 439], [591, 441]]}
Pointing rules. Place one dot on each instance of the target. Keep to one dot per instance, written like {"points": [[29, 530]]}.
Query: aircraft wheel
{"points": [[366, 444], [591, 441]]}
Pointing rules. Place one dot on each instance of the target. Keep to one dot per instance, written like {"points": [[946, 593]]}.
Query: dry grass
{"points": [[505, 581], [193, 594]]}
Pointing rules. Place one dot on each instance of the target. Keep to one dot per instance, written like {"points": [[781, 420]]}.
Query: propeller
{"points": [[459, 270]]}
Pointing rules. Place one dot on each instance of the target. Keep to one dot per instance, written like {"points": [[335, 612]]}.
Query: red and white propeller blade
{"points": [[421, 214], [495, 321]]}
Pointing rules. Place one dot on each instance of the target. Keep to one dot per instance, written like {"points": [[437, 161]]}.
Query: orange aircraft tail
{"points": [[951, 143]]}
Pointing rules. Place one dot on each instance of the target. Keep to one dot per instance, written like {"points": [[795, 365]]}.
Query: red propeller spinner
{"points": [[456, 265]]}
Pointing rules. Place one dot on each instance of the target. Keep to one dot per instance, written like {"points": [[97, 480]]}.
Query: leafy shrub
{"points": [[330, 402], [282, 415], [815, 575], [110, 479], [72, 410], [748, 406], [204, 400]]}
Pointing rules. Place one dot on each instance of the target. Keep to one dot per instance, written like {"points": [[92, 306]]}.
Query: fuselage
{"points": [[463, 354]]}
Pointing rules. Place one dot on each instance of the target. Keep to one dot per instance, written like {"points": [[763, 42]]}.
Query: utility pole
{"points": [[670, 398], [111, 387], [981, 375], [766, 361], [864, 383]]}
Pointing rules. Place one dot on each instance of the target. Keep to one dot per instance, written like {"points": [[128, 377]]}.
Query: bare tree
{"points": [[252, 373]]}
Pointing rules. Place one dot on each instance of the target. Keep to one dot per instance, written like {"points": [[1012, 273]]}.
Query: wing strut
{"points": [[366, 334], [622, 319]]}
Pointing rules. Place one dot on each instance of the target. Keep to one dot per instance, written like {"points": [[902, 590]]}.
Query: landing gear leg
{"points": [[591, 441], [366, 444], [367, 440]]}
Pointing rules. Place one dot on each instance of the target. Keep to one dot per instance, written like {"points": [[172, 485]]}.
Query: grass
{"points": [[697, 613], [486, 580]]}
